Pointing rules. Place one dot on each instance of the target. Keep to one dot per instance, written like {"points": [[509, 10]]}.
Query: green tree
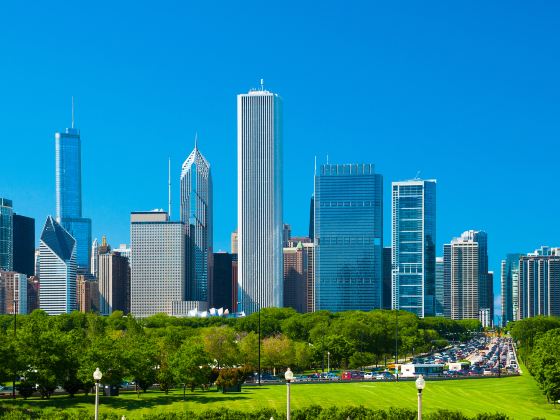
{"points": [[187, 365], [277, 352], [139, 354], [220, 345]]}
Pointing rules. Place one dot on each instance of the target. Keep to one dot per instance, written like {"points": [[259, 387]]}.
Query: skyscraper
{"points": [[509, 269], [465, 257], [440, 287], [113, 283], [196, 214], [6, 235], [348, 237], [485, 293], [69, 193], [387, 277], [24, 245], [259, 212], [94, 265], [413, 241], [295, 278], [222, 281], [13, 293], [58, 269], [539, 283], [447, 281]]}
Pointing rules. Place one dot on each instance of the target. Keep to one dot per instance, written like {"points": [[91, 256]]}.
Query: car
{"points": [[368, 375], [384, 376]]}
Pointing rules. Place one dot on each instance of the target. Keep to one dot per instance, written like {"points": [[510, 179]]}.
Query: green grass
{"points": [[518, 397]]}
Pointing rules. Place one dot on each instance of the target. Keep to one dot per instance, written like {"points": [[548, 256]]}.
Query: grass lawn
{"points": [[518, 397]]}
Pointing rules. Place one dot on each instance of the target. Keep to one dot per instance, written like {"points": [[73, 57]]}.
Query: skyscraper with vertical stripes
{"points": [[259, 207], [68, 167], [196, 214]]}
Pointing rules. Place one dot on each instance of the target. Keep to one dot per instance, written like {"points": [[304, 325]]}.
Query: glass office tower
{"points": [[348, 239], [414, 240], [6, 235], [196, 214], [259, 206], [510, 269], [69, 194]]}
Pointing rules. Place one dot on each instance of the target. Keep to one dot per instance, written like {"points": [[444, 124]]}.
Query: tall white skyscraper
{"points": [[57, 254], [414, 245], [196, 214], [259, 207]]}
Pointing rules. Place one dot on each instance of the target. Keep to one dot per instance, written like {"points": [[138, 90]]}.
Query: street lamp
{"points": [[328, 361], [420, 385], [289, 375], [15, 337], [97, 377]]}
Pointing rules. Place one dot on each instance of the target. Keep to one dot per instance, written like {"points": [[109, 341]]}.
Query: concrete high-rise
{"points": [[440, 287], [69, 193], [24, 245], [6, 235], [295, 278], [414, 244], [57, 293], [348, 237], [509, 270], [468, 280], [539, 283], [113, 283], [13, 293], [260, 191], [196, 214]]}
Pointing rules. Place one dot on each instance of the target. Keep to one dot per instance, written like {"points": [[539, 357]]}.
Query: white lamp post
{"points": [[97, 377], [328, 361], [289, 375], [420, 385]]}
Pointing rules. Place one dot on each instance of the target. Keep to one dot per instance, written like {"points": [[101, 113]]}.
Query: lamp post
{"points": [[289, 375], [259, 345], [397, 343], [15, 334], [97, 377], [420, 385]]}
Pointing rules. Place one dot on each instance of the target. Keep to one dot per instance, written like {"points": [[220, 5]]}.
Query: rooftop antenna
{"points": [[169, 187], [327, 159], [315, 171], [262, 84], [196, 139], [417, 175], [72, 111]]}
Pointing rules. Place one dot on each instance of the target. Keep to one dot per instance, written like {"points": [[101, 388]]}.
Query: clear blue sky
{"points": [[466, 93]]}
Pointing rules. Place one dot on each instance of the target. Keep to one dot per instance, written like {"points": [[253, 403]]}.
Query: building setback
{"points": [[57, 292], [539, 283], [414, 242], [348, 237], [259, 212]]}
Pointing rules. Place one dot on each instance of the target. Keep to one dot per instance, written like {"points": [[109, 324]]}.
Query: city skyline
{"points": [[421, 87]]}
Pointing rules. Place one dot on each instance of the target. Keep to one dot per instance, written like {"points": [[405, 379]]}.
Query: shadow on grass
{"points": [[130, 400]]}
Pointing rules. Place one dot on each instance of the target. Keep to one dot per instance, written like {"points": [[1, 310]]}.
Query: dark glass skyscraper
{"points": [[510, 269], [69, 194], [6, 235], [24, 245], [348, 237]]}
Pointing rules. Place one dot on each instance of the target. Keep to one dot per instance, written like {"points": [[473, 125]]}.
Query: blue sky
{"points": [[466, 93]]}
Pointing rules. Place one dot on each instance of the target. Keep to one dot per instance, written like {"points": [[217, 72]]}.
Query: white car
{"points": [[368, 375]]}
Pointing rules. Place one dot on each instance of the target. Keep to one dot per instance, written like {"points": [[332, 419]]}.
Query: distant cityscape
{"points": [[340, 264]]}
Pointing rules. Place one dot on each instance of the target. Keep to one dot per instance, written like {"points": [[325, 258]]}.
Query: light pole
{"points": [[289, 375], [97, 377], [15, 336], [259, 345], [420, 385], [328, 361], [397, 343]]}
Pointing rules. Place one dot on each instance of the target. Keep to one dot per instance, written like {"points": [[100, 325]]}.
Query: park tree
{"points": [[277, 352], [140, 358], [104, 353], [187, 365], [545, 363], [220, 345], [248, 347]]}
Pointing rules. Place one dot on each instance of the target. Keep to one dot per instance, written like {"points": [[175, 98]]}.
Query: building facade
{"points": [[69, 194], [87, 294], [440, 287], [295, 278], [222, 282], [57, 291], [260, 191], [387, 277], [465, 256], [13, 293], [413, 242], [113, 283], [196, 214], [24, 245], [509, 270], [539, 284], [348, 238], [6, 235]]}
